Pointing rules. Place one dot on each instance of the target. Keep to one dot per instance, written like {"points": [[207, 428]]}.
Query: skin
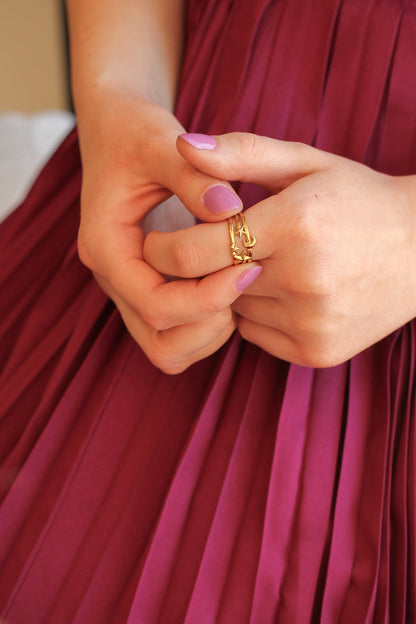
{"points": [[130, 164], [337, 242], [335, 239]]}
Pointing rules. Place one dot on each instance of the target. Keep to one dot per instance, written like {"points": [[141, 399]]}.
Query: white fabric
{"points": [[26, 142]]}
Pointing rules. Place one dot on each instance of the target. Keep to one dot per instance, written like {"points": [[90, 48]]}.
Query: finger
{"points": [[205, 248], [272, 340], [299, 338], [209, 198], [203, 339], [252, 158], [264, 311], [159, 168], [187, 301], [175, 349], [162, 304], [272, 314]]}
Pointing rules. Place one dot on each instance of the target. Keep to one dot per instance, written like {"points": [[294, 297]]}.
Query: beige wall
{"points": [[32, 66]]}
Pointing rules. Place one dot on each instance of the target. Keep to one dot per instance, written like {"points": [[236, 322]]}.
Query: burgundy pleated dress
{"points": [[245, 490]]}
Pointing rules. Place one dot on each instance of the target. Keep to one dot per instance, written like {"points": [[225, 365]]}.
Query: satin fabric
{"points": [[245, 490]]}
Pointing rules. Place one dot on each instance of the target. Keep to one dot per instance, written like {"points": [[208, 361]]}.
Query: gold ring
{"points": [[241, 249]]}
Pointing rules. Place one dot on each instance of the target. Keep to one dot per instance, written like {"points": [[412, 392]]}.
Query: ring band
{"points": [[241, 249]]}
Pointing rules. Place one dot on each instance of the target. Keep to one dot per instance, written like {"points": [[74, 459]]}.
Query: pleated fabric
{"points": [[245, 490]]}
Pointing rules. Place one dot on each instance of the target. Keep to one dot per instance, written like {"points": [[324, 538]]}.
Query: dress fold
{"points": [[246, 489]]}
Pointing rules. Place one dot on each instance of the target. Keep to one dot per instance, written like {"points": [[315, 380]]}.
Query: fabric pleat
{"points": [[245, 490]]}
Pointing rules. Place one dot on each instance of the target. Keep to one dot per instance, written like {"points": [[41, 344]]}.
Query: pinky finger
{"points": [[174, 350], [274, 341], [204, 338]]}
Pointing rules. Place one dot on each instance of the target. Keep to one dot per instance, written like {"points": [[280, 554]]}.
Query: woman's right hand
{"points": [[130, 165]]}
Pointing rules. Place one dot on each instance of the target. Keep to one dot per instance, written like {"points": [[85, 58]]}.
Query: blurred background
{"points": [[33, 60], [35, 102]]}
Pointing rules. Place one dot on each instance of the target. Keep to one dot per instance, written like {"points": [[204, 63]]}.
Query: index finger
{"points": [[206, 248], [163, 304]]}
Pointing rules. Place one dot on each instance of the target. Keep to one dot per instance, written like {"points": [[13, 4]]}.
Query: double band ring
{"points": [[241, 241]]}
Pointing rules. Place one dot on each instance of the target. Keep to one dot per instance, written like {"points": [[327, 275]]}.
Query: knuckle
{"points": [[314, 274], [321, 358], [323, 351], [216, 307], [302, 149], [84, 251], [176, 367], [221, 320], [154, 322], [311, 157], [187, 259], [153, 319], [308, 225], [244, 330], [186, 175], [225, 317], [250, 146], [166, 361], [313, 287], [170, 367], [321, 286]]}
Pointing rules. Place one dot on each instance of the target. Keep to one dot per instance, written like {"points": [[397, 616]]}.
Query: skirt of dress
{"points": [[245, 490]]}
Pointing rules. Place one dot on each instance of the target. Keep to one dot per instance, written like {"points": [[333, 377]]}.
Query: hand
{"points": [[130, 165], [336, 241]]}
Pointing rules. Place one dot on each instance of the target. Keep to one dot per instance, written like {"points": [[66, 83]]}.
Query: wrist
{"points": [[407, 185], [407, 192], [91, 91], [126, 46]]}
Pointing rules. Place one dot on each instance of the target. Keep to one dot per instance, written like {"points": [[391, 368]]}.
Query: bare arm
{"points": [[126, 57], [126, 45]]}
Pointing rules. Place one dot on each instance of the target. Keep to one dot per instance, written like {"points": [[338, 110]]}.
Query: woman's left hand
{"points": [[337, 242]]}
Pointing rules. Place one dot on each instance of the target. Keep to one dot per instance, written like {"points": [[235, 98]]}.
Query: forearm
{"points": [[126, 46]]}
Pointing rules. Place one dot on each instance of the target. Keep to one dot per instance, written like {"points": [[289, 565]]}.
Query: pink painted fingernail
{"points": [[200, 141], [248, 278], [219, 198]]}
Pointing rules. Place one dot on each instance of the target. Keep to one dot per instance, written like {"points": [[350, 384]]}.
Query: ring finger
{"points": [[264, 311], [206, 248], [175, 349]]}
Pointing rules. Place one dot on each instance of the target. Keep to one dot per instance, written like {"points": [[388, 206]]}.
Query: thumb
{"points": [[250, 157], [208, 198]]}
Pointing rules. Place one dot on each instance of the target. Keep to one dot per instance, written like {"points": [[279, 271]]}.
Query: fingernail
{"points": [[219, 198], [248, 278], [200, 141]]}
